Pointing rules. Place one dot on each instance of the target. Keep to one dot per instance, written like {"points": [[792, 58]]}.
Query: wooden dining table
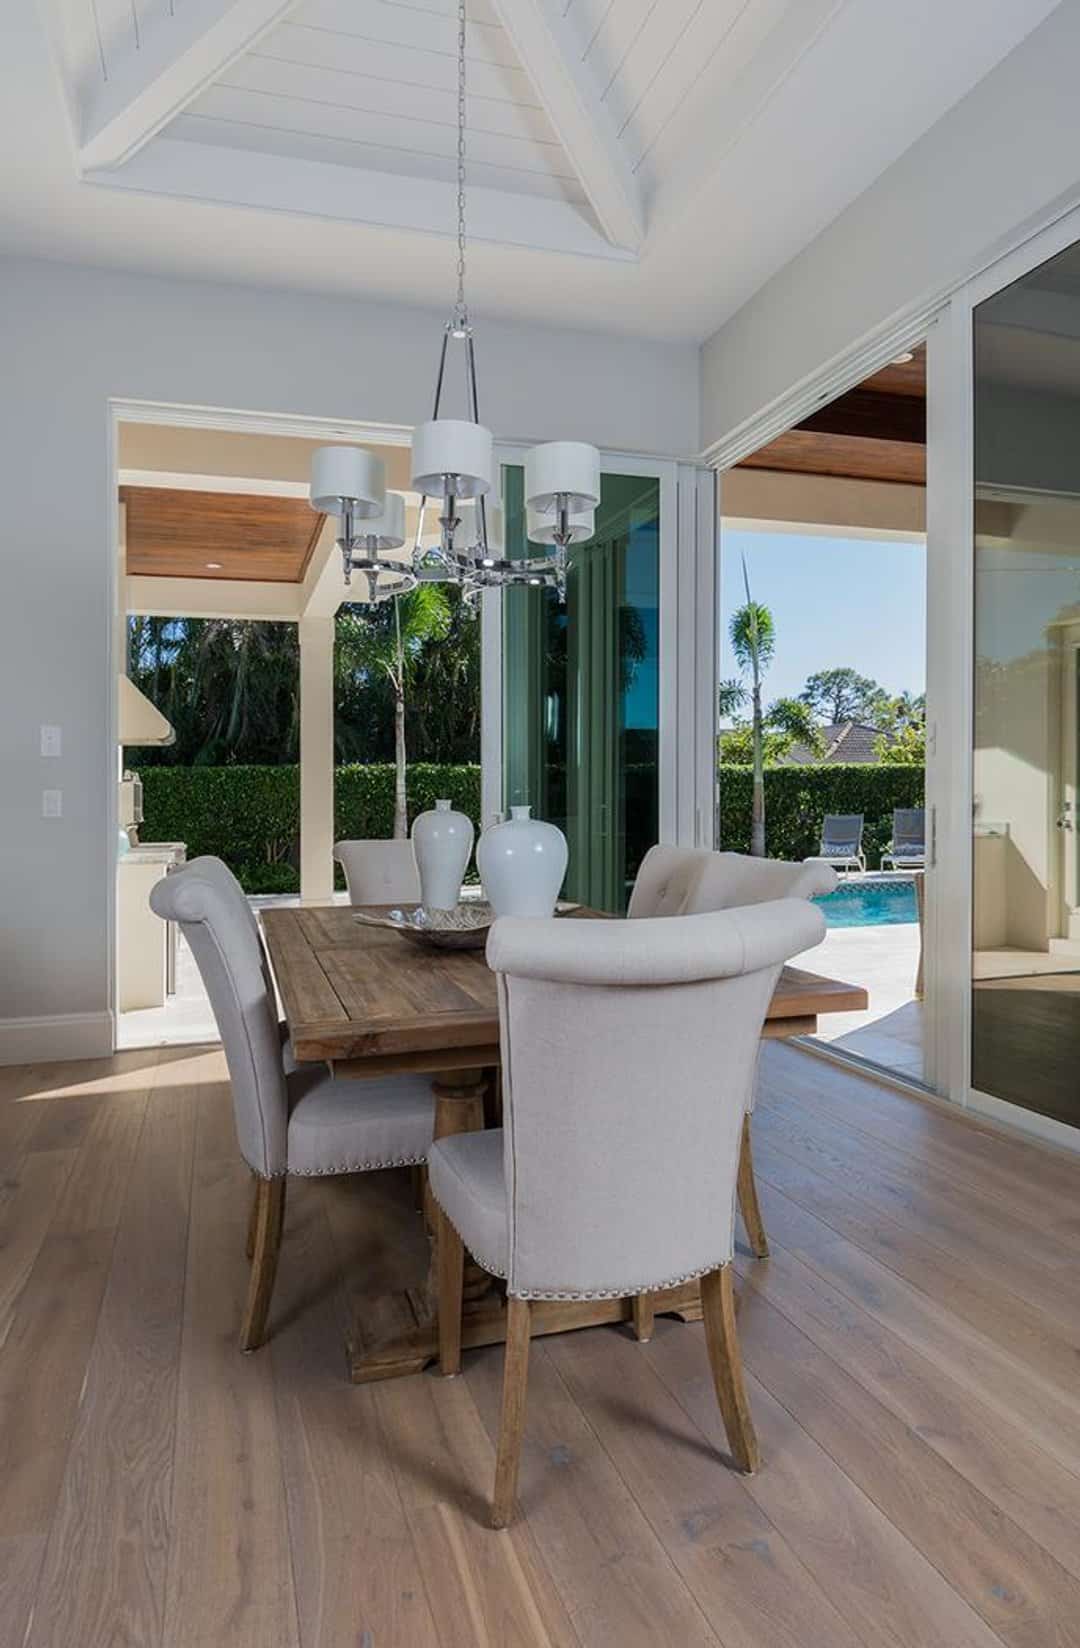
{"points": [[371, 1002]]}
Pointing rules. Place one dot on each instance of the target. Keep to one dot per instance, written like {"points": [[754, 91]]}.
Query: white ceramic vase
{"points": [[522, 864], [442, 841]]}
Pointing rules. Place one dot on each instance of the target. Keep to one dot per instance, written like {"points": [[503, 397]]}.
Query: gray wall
{"points": [[71, 338], [995, 162]]}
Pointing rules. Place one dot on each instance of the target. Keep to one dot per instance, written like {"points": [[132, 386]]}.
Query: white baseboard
{"points": [[56, 1037]]}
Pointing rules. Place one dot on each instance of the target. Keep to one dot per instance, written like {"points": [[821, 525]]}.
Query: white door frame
{"points": [[666, 471]]}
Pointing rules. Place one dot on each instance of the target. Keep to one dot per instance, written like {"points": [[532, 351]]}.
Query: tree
{"points": [[387, 642], [753, 641], [907, 748], [905, 710], [902, 740], [844, 695], [229, 687], [786, 722]]}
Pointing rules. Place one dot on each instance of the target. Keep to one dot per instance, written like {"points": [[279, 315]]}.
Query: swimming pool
{"points": [[884, 903]]}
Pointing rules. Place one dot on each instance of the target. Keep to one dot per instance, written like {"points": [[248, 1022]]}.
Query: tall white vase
{"points": [[522, 864], [442, 841]]}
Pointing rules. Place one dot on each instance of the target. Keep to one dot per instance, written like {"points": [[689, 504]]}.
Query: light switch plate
{"points": [[52, 803], [50, 740]]}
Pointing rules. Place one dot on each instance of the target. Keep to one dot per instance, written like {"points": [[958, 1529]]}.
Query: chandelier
{"points": [[453, 468]]}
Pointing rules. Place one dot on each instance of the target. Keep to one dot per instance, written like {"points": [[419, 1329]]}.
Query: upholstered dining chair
{"points": [[306, 1121], [217, 871], [379, 872], [597, 1186], [680, 881]]}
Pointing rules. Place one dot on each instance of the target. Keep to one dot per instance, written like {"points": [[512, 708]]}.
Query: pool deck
{"points": [[883, 959]]}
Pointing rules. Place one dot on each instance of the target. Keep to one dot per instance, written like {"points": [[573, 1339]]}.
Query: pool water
{"points": [[870, 904]]}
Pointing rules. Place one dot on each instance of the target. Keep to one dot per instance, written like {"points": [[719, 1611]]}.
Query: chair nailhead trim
{"points": [[355, 1167], [594, 1293], [485, 1264], [344, 1167], [627, 1289]]}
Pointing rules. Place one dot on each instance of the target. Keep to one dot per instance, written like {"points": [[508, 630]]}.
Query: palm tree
{"points": [[374, 641], [753, 641]]}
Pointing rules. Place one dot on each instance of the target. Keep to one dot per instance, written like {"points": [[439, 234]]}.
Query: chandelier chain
{"points": [[461, 312]]}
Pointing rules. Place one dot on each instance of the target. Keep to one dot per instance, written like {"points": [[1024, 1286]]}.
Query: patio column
{"points": [[316, 759]]}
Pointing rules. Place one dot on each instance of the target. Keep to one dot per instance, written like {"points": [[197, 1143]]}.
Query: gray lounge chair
{"points": [[907, 850], [841, 842]]}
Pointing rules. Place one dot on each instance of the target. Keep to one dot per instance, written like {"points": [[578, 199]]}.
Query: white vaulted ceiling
{"points": [[634, 164]]}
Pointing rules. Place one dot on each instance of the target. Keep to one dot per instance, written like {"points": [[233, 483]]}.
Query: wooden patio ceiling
{"points": [[876, 432], [174, 533]]}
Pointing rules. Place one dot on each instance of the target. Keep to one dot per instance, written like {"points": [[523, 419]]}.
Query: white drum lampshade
{"points": [[349, 472], [451, 446], [569, 469], [388, 528], [541, 529]]}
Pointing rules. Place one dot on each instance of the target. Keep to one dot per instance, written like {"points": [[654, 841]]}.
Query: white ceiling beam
{"points": [[154, 597], [178, 56], [551, 55], [314, 188]]}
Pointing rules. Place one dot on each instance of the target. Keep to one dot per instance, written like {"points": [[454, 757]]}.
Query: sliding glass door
{"points": [[581, 713], [1025, 1018]]}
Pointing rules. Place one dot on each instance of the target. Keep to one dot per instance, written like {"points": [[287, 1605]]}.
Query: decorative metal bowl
{"points": [[464, 928]]}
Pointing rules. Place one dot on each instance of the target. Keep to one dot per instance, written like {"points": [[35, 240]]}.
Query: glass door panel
{"points": [[1026, 928], [581, 702]]}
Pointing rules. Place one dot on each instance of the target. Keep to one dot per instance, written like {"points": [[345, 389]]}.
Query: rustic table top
{"points": [[352, 991]]}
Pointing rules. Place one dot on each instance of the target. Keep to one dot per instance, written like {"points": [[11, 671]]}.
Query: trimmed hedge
{"points": [[250, 816], [797, 799]]}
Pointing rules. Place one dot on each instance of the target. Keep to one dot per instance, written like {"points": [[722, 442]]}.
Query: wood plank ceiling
{"points": [[876, 432], [181, 534]]}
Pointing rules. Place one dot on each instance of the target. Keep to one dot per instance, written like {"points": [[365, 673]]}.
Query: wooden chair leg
{"points": [[512, 1421], [725, 1359], [418, 1178], [249, 1245], [643, 1316], [269, 1214], [451, 1270], [749, 1206]]}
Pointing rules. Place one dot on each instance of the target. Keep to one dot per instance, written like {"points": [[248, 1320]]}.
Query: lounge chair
{"points": [[907, 849], [841, 842]]}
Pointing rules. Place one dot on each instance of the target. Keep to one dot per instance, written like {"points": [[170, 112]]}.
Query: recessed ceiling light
{"points": [[213, 566], [902, 360]]}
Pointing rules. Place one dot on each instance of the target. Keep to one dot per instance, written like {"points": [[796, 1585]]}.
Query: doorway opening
{"points": [[267, 699], [823, 588]]}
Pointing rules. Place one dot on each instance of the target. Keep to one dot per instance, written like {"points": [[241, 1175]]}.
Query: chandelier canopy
{"points": [[453, 465]]}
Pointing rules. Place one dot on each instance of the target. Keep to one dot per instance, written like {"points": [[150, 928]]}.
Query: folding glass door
{"points": [[581, 713]]}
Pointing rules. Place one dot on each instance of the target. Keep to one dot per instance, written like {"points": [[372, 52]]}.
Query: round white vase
{"points": [[522, 864], [442, 841]]}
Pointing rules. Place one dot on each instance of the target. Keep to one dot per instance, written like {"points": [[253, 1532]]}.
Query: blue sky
{"points": [[836, 602]]}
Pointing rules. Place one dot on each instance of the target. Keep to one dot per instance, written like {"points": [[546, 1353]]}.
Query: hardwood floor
{"points": [[911, 1348]]}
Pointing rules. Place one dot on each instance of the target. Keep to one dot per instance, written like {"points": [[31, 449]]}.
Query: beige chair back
{"points": [[379, 872], [225, 942], [628, 1052], [677, 881]]}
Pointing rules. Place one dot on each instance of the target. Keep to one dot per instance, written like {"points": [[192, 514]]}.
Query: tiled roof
{"points": [[852, 741]]}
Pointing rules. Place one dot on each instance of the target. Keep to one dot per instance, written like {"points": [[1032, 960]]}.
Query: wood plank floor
{"points": [[912, 1345]]}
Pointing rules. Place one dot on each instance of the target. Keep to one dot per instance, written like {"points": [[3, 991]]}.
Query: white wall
{"points": [[71, 338], [997, 161]]}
